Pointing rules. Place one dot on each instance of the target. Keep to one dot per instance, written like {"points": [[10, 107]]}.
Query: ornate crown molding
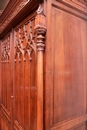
{"points": [[5, 20], [15, 9]]}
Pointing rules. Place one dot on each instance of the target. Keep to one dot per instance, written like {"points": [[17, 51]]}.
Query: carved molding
{"points": [[14, 12], [79, 5], [69, 124], [24, 41], [13, 9], [5, 112], [17, 126], [5, 49]]}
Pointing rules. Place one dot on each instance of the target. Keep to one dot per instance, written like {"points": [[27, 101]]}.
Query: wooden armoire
{"points": [[43, 65]]}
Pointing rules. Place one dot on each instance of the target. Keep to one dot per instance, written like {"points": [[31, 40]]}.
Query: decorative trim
{"points": [[5, 112], [40, 28], [78, 5], [71, 123], [17, 126], [20, 35], [72, 9], [15, 12]]}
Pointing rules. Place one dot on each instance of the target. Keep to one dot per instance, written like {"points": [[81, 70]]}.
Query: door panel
{"points": [[69, 67], [66, 61], [6, 88], [24, 76], [18, 77]]}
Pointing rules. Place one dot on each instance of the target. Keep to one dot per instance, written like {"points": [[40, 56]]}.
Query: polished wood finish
{"points": [[40, 30], [43, 68], [65, 73]]}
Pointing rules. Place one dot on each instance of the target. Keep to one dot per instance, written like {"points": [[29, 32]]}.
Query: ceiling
{"points": [[2, 4]]}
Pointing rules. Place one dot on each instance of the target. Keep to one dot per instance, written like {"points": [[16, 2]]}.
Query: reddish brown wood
{"points": [[40, 30], [43, 69]]}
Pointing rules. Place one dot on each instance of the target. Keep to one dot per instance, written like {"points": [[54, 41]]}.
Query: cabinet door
{"points": [[24, 90], [18, 78], [66, 66], [6, 83]]}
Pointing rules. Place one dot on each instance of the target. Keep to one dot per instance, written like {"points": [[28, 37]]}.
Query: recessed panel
{"points": [[69, 66]]}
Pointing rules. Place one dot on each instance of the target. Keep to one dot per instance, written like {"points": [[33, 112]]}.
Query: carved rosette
{"points": [[24, 41], [5, 50]]}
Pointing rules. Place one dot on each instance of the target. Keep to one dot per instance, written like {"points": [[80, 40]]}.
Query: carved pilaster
{"points": [[40, 30]]}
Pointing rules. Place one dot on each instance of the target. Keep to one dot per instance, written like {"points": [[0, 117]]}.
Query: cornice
{"points": [[14, 9], [78, 5], [7, 10]]}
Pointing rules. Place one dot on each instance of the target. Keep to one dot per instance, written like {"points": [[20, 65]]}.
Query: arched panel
{"points": [[25, 76]]}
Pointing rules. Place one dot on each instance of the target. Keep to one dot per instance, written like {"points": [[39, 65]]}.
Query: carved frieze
{"points": [[14, 13], [5, 49]]}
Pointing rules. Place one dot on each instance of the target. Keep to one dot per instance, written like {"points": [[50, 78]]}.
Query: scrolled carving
{"points": [[5, 49], [25, 42]]}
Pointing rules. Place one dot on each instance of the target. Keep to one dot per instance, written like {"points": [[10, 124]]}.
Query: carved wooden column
{"points": [[40, 30]]}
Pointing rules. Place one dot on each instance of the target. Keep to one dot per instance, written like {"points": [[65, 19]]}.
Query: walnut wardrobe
{"points": [[43, 68]]}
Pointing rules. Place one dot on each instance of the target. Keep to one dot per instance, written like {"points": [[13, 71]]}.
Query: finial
{"points": [[40, 10]]}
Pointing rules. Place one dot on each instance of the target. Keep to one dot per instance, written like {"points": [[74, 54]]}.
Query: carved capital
{"points": [[40, 28]]}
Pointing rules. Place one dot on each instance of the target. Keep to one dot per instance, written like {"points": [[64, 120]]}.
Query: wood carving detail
{"points": [[25, 41], [5, 112], [15, 12], [40, 29], [17, 126], [5, 50]]}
